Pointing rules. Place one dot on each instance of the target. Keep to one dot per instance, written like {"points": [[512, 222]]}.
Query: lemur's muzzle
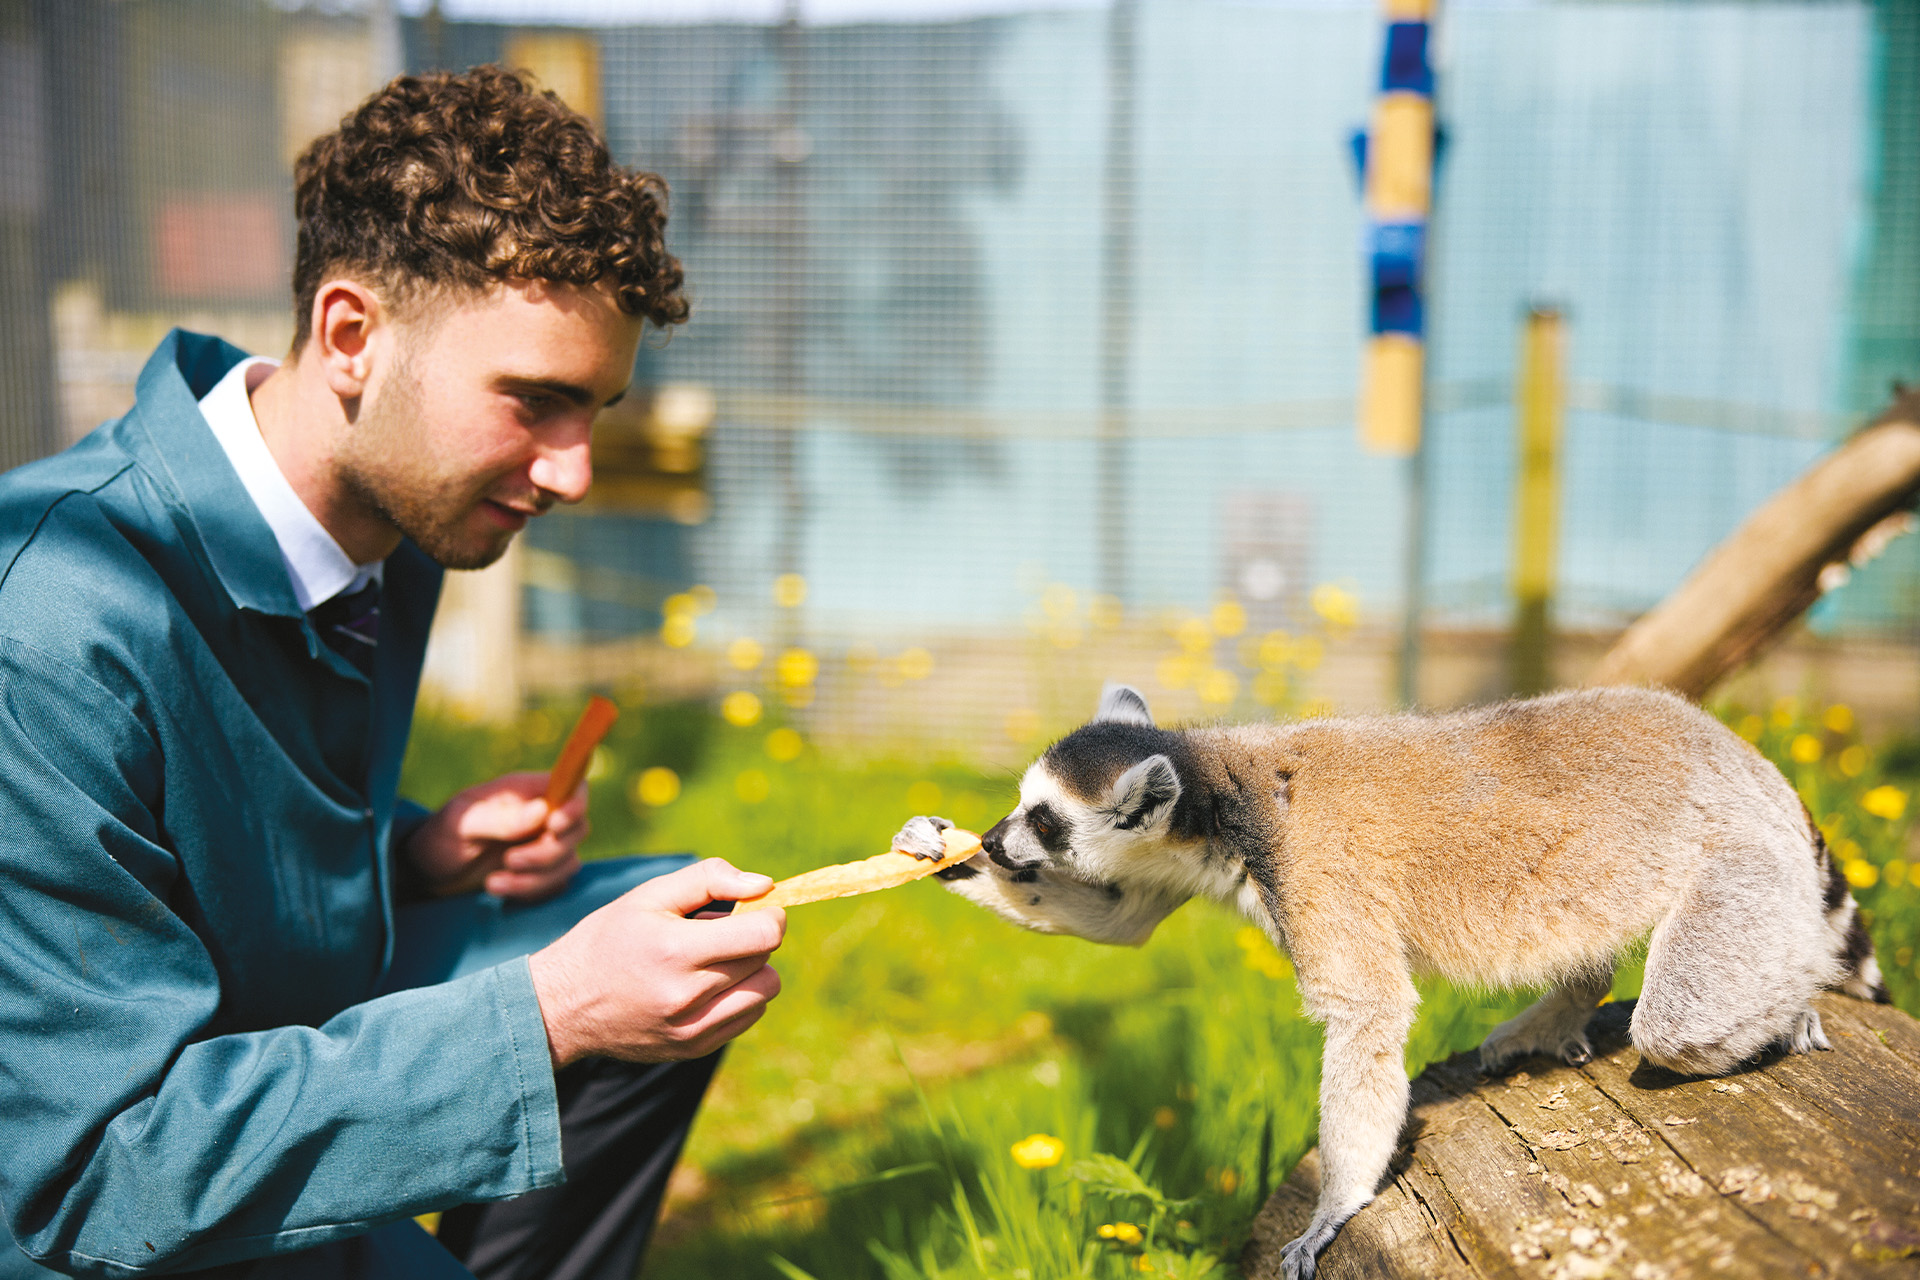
{"points": [[994, 842]]}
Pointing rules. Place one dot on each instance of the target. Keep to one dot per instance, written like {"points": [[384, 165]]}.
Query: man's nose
{"points": [[564, 468]]}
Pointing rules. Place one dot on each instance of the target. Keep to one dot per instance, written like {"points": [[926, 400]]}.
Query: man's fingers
{"points": [[749, 996], [711, 880], [571, 814], [503, 817], [726, 938]]}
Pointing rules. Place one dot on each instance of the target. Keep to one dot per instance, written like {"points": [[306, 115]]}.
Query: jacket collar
{"points": [[166, 433]]}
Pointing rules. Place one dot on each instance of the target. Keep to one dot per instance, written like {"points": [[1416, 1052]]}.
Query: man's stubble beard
{"points": [[388, 467]]}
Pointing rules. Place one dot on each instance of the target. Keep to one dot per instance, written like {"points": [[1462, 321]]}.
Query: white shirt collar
{"points": [[318, 566]]}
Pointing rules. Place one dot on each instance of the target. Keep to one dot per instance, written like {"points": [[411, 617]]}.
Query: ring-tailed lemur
{"points": [[1514, 845]]}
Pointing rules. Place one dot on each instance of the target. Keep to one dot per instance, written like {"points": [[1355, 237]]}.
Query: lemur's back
{"points": [[1512, 843]]}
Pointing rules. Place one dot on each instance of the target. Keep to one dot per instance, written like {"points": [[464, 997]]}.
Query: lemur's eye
{"points": [[1047, 828]]}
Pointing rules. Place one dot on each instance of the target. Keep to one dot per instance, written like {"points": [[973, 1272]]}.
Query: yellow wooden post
{"points": [[1539, 409], [1398, 194]]}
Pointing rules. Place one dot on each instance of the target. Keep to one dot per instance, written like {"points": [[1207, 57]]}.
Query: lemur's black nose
{"points": [[994, 842]]}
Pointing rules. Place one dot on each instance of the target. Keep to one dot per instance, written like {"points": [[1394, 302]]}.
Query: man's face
{"points": [[481, 419]]}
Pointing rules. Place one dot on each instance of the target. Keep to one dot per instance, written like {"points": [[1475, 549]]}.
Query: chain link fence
{"points": [[1025, 342]]}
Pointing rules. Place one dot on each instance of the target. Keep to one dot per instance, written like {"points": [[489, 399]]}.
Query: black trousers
{"points": [[622, 1125]]}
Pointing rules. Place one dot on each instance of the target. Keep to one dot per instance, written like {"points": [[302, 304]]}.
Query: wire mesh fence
{"points": [[1025, 342]]}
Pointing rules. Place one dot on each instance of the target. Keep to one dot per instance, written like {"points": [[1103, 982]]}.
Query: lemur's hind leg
{"points": [[1733, 968], [1554, 1025]]}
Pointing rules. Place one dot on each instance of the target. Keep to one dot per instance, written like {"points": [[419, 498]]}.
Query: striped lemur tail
{"points": [[1861, 974]]}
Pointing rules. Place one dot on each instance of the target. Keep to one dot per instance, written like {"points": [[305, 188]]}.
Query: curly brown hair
{"points": [[466, 180]]}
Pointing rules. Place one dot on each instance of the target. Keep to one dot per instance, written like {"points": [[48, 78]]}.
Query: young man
{"points": [[241, 1026]]}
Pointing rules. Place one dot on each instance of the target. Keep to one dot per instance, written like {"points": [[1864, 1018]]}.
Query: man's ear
{"points": [[1143, 794], [1122, 704], [346, 315]]}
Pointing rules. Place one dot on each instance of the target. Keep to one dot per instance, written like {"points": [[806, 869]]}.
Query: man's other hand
{"points": [[501, 836], [639, 980]]}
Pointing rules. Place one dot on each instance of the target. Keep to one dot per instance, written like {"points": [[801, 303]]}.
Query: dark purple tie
{"points": [[349, 623]]}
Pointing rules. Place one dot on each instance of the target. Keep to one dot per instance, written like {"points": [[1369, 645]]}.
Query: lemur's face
{"points": [[1079, 847]]}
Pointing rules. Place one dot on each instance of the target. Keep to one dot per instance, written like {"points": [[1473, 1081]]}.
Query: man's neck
{"points": [[302, 422]]}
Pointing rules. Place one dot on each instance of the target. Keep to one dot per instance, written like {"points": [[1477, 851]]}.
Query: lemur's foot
{"points": [[1498, 1054], [921, 837], [1298, 1256], [1807, 1034]]}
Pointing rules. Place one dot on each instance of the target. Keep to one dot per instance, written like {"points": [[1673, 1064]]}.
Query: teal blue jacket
{"points": [[197, 802]]}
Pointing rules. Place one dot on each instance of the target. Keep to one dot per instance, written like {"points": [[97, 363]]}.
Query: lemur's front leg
{"points": [[1367, 1004]]}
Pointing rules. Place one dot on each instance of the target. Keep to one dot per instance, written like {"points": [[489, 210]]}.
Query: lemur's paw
{"points": [[1296, 1261], [1576, 1051], [1807, 1034], [921, 837], [1297, 1257]]}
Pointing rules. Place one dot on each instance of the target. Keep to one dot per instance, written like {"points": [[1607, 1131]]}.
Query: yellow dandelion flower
{"points": [[1270, 688], [1038, 1151], [1104, 1231], [1307, 652], [1193, 635], [1895, 873], [1228, 619], [1121, 1232], [1860, 873], [1853, 760], [679, 605], [1750, 728], [745, 653], [1341, 608], [1839, 718], [741, 708], [784, 745], [751, 785], [916, 663], [796, 668], [1805, 748], [1218, 687], [1174, 673], [1276, 649], [789, 591], [1165, 1118], [657, 787], [679, 630], [1229, 1181], [1885, 802], [1785, 710]]}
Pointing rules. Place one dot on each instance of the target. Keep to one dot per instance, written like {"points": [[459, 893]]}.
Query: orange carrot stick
{"points": [[571, 767]]}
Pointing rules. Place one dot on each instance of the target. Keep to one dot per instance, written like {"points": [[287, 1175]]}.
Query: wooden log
{"points": [[1802, 542], [1803, 1165]]}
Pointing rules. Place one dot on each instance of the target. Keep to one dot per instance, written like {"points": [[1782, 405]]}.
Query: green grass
{"points": [[865, 1127]]}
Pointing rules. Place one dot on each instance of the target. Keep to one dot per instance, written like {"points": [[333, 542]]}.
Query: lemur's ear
{"points": [[1143, 794], [1122, 704]]}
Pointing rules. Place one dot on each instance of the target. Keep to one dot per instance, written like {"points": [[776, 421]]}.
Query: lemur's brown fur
{"points": [[1514, 845]]}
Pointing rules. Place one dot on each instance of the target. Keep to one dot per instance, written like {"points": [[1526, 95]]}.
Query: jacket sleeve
{"points": [[135, 1140]]}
